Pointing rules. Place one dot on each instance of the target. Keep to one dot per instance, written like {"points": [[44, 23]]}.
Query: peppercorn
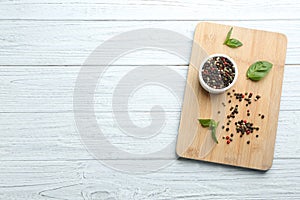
{"points": [[262, 116], [257, 136], [248, 142], [231, 135], [227, 129], [218, 72]]}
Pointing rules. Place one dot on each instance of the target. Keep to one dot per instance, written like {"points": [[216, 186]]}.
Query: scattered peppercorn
{"points": [[242, 127]]}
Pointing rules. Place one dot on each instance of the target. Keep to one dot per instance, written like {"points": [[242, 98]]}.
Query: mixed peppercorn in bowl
{"points": [[218, 73]]}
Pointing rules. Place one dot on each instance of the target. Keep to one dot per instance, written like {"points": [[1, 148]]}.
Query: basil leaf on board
{"points": [[259, 70], [205, 122], [213, 135], [228, 35], [234, 43], [212, 124]]}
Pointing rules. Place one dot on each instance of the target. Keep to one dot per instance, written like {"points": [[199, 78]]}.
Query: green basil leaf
{"points": [[259, 70], [212, 124], [205, 122], [228, 35], [213, 134], [234, 43]]}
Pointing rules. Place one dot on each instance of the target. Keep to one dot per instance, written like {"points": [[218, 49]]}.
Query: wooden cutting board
{"points": [[194, 141]]}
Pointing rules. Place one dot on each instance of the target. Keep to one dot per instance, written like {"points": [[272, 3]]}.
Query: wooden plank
{"points": [[49, 89], [183, 179], [194, 141], [149, 10], [53, 136], [70, 42]]}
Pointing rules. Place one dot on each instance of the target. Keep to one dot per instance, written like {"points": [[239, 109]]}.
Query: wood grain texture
{"points": [[53, 136], [89, 179], [194, 141], [70, 42], [40, 151], [49, 89], [148, 10]]}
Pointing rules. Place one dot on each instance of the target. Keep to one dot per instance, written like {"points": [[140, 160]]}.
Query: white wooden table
{"points": [[43, 44]]}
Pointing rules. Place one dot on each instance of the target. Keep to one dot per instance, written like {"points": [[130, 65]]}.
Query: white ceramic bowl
{"points": [[206, 86]]}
